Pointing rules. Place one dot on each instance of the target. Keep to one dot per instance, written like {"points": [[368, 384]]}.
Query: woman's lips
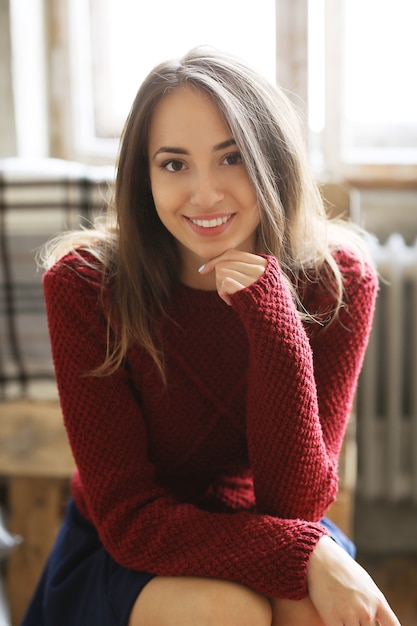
{"points": [[210, 226]]}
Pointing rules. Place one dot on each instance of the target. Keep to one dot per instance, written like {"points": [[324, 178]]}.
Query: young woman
{"points": [[207, 337]]}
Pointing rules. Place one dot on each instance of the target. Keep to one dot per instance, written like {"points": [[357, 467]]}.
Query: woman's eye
{"points": [[233, 159], [173, 165]]}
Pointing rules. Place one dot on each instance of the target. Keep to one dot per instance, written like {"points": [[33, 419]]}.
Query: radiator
{"points": [[387, 393]]}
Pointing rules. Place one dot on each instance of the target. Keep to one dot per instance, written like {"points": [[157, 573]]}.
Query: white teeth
{"points": [[211, 223]]}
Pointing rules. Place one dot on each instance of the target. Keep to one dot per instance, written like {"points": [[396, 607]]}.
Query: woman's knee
{"points": [[169, 601]]}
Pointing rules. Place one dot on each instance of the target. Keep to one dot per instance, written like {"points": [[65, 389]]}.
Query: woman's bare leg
{"points": [[170, 601]]}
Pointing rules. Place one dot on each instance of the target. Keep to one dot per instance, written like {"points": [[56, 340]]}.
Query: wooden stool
{"points": [[36, 460]]}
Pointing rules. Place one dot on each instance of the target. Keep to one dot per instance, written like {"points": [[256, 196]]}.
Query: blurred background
{"points": [[69, 70]]}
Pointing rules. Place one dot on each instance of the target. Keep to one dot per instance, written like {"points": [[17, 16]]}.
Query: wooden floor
{"points": [[396, 576]]}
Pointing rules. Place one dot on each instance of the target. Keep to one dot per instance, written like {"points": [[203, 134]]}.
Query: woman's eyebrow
{"points": [[175, 150], [224, 144], [171, 150]]}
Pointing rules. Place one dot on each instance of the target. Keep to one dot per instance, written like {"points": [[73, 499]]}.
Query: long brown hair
{"points": [[138, 252]]}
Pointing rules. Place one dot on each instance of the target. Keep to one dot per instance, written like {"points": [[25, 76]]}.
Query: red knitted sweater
{"points": [[227, 470]]}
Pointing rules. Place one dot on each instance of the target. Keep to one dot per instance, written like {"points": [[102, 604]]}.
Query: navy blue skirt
{"points": [[83, 586]]}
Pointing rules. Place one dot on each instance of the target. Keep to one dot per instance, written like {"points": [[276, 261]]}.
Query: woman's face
{"points": [[202, 192]]}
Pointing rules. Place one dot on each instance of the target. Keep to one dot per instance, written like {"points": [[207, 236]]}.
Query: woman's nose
{"points": [[206, 191]]}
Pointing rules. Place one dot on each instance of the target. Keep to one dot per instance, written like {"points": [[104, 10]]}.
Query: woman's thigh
{"points": [[189, 601], [294, 613]]}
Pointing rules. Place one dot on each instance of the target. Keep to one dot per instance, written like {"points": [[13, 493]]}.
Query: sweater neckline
{"points": [[194, 298]]}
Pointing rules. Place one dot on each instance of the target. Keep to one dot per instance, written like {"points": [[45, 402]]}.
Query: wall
{"points": [[384, 211]]}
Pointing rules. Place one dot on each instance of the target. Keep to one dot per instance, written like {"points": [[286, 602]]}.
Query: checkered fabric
{"points": [[37, 200]]}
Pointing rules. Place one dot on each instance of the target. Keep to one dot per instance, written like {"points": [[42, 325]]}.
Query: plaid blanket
{"points": [[37, 200]]}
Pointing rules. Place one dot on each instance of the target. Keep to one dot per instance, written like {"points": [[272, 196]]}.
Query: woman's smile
{"points": [[210, 226]]}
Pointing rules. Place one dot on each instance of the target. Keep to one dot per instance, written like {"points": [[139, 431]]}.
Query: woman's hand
{"points": [[234, 271], [342, 592]]}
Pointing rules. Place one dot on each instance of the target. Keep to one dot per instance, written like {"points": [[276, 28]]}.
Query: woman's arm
{"points": [[300, 390], [300, 403]]}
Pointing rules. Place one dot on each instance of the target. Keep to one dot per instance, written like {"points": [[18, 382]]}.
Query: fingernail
{"points": [[200, 269]]}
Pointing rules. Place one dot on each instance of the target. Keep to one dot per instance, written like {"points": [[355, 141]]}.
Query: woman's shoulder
{"points": [[355, 266], [76, 267], [352, 265], [359, 283], [77, 261]]}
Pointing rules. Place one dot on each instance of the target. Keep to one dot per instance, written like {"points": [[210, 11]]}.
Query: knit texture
{"points": [[227, 471]]}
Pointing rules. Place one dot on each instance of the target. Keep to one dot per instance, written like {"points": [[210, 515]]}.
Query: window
{"points": [[362, 90], [349, 62], [380, 104]]}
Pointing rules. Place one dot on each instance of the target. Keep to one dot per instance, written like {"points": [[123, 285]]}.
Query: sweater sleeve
{"points": [[140, 524], [301, 388]]}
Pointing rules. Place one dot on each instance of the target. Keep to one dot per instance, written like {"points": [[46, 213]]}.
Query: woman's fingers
{"points": [[234, 271]]}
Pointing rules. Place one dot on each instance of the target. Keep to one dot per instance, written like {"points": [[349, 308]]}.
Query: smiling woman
{"points": [[206, 404]]}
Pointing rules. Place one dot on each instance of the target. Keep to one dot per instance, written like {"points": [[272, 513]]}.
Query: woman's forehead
{"points": [[187, 113]]}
